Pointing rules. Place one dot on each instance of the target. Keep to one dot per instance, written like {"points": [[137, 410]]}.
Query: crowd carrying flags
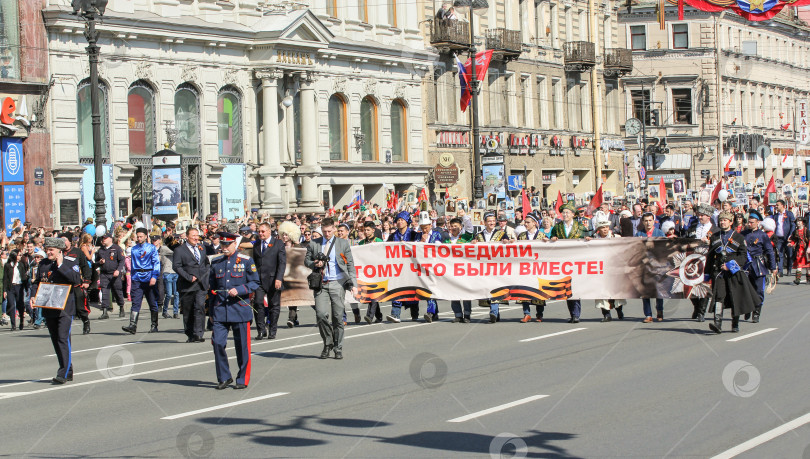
{"points": [[770, 189], [596, 202], [482, 60], [525, 203], [559, 202], [356, 202]]}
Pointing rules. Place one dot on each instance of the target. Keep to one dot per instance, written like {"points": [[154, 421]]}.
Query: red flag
{"points": [[559, 202], [680, 10], [527, 205], [596, 202], [482, 61], [662, 193], [423, 196], [770, 189], [720, 185]]}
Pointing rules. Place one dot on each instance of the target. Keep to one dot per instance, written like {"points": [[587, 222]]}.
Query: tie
{"points": [[264, 246], [196, 254]]}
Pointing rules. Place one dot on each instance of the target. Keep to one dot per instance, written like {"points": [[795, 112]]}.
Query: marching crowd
{"points": [[179, 271]]}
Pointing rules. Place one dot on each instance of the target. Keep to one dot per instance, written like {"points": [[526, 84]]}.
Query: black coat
{"points": [[741, 296], [186, 266], [271, 264], [68, 274], [22, 267]]}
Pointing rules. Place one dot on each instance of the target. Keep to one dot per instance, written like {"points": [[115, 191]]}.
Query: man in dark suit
{"points": [[785, 225], [270, 257], [193, 270]]}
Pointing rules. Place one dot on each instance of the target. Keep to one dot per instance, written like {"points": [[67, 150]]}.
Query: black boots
{"points": [[154, 316], [755, 317], [85, 327], [735, 324], [717, 324], [121, 312], [104, 315], [133, 323]]}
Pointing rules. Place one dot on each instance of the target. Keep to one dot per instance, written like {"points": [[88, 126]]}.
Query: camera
{"points": [[321, 257]]}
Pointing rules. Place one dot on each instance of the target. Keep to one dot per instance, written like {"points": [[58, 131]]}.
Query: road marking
{"points": [[767, 436], [505, 406], [751, 335], [97, 348], [552, 334], [226, 405]]}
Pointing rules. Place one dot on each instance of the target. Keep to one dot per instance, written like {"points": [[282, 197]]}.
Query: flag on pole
{"points": [[559, 202], [716, 192], [423, 196], [662, 193], [680, 10], [596, 202], [356, 201], [482, 61], [526, 204], [770, 189]]}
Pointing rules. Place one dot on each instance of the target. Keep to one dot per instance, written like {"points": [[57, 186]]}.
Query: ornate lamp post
{"points": [[91, 10], [474, 6]]}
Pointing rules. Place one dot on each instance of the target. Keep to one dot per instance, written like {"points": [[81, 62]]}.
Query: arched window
{"points": [[85, 120], [399, 131], [337, 128], [368, 127], [229, 123], [187, 120], [141, 119], [297, 126]]}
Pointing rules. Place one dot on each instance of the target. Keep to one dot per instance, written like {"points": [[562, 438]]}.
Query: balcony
{"points": [[618, 62], [505, 44], [449, 35], [579, 56]]}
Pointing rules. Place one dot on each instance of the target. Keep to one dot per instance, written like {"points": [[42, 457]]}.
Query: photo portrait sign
{"points": [[51, 296], [166, 190]]}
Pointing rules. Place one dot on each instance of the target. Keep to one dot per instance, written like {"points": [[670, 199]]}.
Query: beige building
{"points": [[719, 88], [552, 97]]}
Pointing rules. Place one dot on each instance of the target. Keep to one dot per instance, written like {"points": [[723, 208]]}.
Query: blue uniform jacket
{"points": [[435, 236], [145, 262], [236, 271], [399, 237], [760, 252]]}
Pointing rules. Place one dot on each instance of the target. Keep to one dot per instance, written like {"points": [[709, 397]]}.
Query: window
{"points": [[187, 120], [556, 104], [569, 25], [393, 13], [229, 123], [337, 128], [399, 131], [641, 104], [368, 127], [332, 8], [583, 25], [297, 126], [638, 37], [523, 21], [362, 13], [525, 108], [608, 30], [572, 102], [682, 106], [541, 32], [543, 104], [680, 36], [9, 40], [554, 20], [141, 119], [85, 120]]}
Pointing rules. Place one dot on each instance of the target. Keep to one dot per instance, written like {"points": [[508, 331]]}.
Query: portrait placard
{"points": [[51, 296]]}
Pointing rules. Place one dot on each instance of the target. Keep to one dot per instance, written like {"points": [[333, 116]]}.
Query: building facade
{"points": [[283, 107], [712, 89], [24, 134], [551, 99]]}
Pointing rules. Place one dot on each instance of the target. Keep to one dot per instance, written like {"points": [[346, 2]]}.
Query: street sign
{"points": [[514, 183], [445, 176], [493, 159], [764, 151], [705, 173], [642, 173]]}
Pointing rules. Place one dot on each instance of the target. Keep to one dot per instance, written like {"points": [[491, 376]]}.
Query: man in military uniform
{"points": [[532, 233], [110, 261], [369, 230], [233, 279], [569, 228], [702, 228], [762, 256], [145, 271], [58, 270], [79, 291], [583, 219], [492, 234], [727, 256]]}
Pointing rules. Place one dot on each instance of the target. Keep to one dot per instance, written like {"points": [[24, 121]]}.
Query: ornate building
{"points": [[271, 105]]}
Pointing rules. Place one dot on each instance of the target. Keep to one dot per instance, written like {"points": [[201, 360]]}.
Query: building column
{"points": [[271, 171], [309, 169]]}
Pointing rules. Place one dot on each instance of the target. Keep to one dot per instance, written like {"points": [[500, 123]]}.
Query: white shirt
{"points": [[702, 230], [488, 234], [16, 277]]}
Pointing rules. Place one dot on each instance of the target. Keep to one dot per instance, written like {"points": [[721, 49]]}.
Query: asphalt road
{"points": [[619, 389]]}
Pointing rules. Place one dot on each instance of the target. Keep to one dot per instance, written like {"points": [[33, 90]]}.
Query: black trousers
{"points": [[192, 306], [113, 288], [82, 308], [269, 315], [14, 301], [59, 328], [699, 305]]}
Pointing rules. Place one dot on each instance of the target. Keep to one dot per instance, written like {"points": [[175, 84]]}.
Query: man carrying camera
{"points": [[332, 265]]}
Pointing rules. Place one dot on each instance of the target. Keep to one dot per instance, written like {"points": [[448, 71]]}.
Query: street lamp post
{"points": [[91, 10], [478, 179]]}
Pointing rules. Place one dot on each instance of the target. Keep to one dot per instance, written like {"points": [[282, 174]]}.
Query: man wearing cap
{"points": [[702, 228], [724, 264], [762, 256], [338, 276], [145, 263], [270, 256], [234, 277], [110, 260], [213, 247], [457, 235], [77, 256], [569, 228], [602, 231], [58, 270], [583, 219], [491, 234], [532, 233], [402, 234], [193, 274], [369, 230], [428, 235]]}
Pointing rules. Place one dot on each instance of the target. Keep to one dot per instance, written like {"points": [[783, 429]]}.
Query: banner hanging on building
{"points": [[13, 205], [89, 190], [621, 268], [802, 115], [166, 191], [13, 170], [234, 187]]}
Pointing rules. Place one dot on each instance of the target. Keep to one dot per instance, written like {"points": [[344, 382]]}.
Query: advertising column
{"points": [[13, 182]]}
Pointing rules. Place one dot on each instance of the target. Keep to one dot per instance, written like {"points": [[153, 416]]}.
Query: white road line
{"points": [[226, 405], [766, 437], [97, 348], [552, 334], [751, 335], [505, 406]]}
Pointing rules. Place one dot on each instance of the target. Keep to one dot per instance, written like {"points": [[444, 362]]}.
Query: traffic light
{"points": [[655, 117]]}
